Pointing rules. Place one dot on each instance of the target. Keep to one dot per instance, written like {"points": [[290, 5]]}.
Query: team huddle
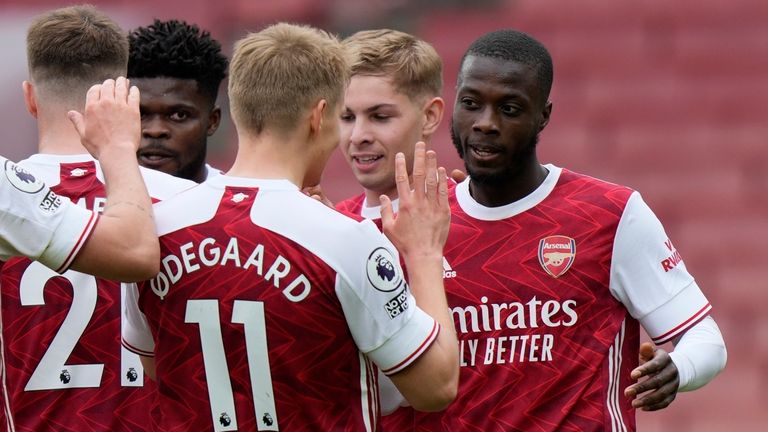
{"points": [[143, 289]]}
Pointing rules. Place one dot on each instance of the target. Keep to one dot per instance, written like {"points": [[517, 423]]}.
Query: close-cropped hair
{"points": [[414, 66], [176, 49], [72, 48], [279, 73], [513, 45]]}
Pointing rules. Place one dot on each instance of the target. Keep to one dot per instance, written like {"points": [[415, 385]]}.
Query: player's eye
{"points": [[179, 116], [347, 117], [468, 103], [380, 117], [510, 110]]}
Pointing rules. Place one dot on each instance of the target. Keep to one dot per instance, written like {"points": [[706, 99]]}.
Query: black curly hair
{"points": [[519, 47], [176, 49]]}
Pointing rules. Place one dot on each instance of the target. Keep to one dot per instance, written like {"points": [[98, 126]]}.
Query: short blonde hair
{"points": [[72, 48], [278, 73], [414, 65]]}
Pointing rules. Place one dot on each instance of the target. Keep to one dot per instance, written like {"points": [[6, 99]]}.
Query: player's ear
{"points": [[433, 115], [316, 117], [29, 98], [214, 120], [545, 114]]}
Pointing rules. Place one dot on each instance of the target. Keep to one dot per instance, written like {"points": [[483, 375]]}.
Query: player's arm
{"points": [[123, 245], [419, 231], [149, 366], [649, 277], [698, 357]]}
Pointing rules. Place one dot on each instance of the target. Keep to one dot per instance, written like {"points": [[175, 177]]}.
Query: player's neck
{"points": [[268, 156], [58, 137], [517, 186], [372, 197]]}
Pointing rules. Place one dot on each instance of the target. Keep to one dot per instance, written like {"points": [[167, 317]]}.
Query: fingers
{"points": [[655, 360], [458, 175], [442, 187], [646, 351], [419, 168], [432, 176], [121, 89], [658, 399], [93, 94], [387, 215], [658, 405], [661, 385], [656, 381], [77, 120], [108, 89], [134, 98], [401, 178]]}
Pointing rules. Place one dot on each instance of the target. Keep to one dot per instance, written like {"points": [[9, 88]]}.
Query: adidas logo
{"points": [[448, 272]]}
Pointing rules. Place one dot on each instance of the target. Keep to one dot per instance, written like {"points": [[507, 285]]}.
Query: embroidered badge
{"points": [[556, 254]]}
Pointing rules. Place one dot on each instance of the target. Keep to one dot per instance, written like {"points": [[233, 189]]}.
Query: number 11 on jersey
{"points": [[205, 313]]}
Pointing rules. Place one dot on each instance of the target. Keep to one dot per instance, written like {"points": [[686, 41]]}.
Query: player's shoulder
{"points": [[351, 205], [48, 166], [162, 186], [587, 181], [320, 229], [191, 206], [309, 211]]}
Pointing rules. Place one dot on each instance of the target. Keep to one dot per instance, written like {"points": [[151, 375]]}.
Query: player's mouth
{"points": [[152, 158], [483, 152], [366, 162]]}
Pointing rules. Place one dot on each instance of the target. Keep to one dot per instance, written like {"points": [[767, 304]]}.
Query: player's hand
{"points": [[420, 226], [316, 192], [659, 388], [111, 119], [458, 175]]}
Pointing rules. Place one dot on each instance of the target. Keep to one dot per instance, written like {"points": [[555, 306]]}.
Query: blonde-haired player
{"points": [[271, 309], [393, 100]]}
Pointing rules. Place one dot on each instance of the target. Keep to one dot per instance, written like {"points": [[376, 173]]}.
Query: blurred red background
{"points": [[670, 98]]}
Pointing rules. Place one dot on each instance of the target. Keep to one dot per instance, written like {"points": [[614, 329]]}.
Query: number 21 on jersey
{"points": [[52, 372]]}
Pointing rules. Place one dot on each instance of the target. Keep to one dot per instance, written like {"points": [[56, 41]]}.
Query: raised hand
{"points": [[111, 119], [421, 224]]}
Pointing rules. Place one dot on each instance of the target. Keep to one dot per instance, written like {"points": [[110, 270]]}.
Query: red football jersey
{"points": [[351, 205], [64, 368], [270, 311], [546, 301]]}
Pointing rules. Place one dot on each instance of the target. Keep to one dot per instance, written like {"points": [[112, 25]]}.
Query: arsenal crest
{"points": [[556, 254]]}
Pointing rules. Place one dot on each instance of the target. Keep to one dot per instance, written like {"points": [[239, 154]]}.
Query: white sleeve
{"points": [[37, 223], [699, 355], [136, 334], [649, 277], [381, 312]]}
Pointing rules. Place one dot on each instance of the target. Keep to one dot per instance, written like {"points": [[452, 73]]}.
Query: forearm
{"points": [[123, 245], [431, 382], [426, 281], [699, 355], [128, 204]]}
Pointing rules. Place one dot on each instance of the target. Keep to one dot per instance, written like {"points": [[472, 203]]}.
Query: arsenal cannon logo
{"points": [[556, 254]]}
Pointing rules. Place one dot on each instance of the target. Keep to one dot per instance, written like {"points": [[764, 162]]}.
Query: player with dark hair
{"points": [[273, 311], [178, 69], [552, 273], [63, 366]]}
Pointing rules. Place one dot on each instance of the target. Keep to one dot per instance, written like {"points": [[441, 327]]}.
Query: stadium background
{"points": [[670, 98]]}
